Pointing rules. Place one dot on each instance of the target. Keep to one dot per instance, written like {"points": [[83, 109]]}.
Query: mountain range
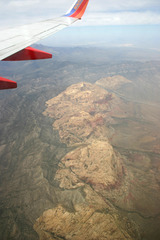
{"points": [[80, 146]]}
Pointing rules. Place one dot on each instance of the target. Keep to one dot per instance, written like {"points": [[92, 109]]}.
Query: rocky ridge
{"points": [[81, 111], [82, 115], [30, 149]]}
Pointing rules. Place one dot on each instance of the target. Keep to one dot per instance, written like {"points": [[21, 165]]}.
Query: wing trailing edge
{"points": [[14, 43], [28, 53], [7, 84]]}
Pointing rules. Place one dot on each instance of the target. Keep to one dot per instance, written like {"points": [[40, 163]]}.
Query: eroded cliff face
{"points": [[86, 222], [93, 168], [116, 195], [81, 115], [82, 112], [95, 164], [43, 174]]}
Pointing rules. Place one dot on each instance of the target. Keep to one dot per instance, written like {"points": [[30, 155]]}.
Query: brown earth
{"points": [[113, 83], [110, 180], [82, 111], [85, 223]]}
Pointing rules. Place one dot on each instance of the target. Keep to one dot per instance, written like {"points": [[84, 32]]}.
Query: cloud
{"points": [[126, 45], [123, 18], [20, 3], [99, 12], [124, 5], [114, 22]]}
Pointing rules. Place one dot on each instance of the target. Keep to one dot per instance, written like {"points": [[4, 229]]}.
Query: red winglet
{"points": [[7, 84], [28, 53], [78, 9]]}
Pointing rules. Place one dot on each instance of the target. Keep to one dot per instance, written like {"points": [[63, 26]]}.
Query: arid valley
{"points": [[80, 147]]}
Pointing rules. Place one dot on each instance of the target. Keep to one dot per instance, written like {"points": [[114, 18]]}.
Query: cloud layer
{"points": [[115, 22], [123, 18], [99, 12]]}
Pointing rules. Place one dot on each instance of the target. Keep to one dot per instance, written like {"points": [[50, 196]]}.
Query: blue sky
{"points": [[106, 23]]}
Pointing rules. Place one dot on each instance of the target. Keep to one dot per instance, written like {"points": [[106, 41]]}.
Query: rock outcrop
{"points": [[82, 115], [82, 112], [95, 164], [85, 223], [92, 168]]}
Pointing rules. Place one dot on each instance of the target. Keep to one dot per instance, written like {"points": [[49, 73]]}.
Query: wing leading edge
{"points": [[15, 42]]}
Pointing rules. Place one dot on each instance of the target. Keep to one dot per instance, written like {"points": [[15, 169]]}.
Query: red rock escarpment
{"points": [[82, 115]]}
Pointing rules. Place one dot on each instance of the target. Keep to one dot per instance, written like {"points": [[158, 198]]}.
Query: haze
{"points": [[80, 136], [106, 23]]}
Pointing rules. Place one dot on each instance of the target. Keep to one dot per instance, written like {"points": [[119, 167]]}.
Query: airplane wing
{"points": [[15, 42]]}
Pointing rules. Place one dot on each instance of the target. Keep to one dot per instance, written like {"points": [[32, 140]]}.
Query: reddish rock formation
{"points": [[82, 111], [86, 223], [82, 114], [95, 164]]}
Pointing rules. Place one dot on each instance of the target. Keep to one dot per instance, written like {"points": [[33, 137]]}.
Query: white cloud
{"points": [[122, 18], [122, 5], [126, 45], [99, 12], [20, 3]]}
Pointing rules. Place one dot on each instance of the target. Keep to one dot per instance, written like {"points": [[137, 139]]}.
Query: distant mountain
{"points": [[80, 147]]}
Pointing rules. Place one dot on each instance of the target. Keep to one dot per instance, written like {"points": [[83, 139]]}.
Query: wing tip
{"points": [[28, 53], [7, 84], [78, 9]]}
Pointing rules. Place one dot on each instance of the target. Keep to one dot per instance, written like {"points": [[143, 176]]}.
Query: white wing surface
{"points": [[15, 39], [15, 42]]}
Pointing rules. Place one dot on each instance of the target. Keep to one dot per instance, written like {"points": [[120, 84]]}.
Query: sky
{"points": [[106, 22]]}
